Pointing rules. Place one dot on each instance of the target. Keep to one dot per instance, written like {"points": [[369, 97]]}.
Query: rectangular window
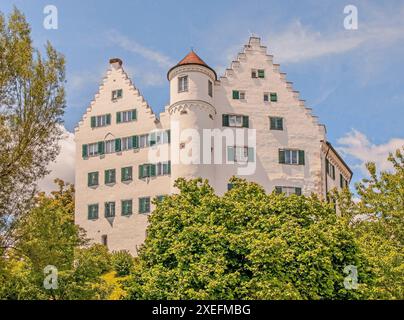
{"points": [[110, 146], [210, 88], [144, 141], [93, 149], [101, 120], [163, 168], [117, 94], [93, 211], [275, 123], [126, 174], [109, 209], [144, 205], [232, 120], [261, 73], [288, 156], [160, 198], [126, 207], [240, 154], [343, 183], [266, 97], [330, 168], [109, 176], [127, 143], [274, 97], [183, 84], [236, 94], [288, 190], [126, 116], [253, 73], [229, 186], [92, 179]]}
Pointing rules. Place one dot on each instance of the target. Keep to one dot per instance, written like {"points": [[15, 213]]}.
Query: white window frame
{"points": [[183, 84], [93, 149], [110, 146], [291, 156]]}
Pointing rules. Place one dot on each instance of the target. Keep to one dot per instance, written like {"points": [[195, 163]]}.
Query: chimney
{"points": [[116, 63]]}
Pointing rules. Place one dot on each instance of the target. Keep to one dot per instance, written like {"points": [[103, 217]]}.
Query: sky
{"points": [[352, 79]]}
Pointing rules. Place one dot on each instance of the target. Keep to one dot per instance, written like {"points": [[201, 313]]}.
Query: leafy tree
{"points": [[45, 236], [378, 220], [32, 101], [245, 245]]}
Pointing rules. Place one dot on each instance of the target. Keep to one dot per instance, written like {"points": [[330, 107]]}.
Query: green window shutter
{"points": [[152, 170], [298, 191], [281, 156], [135, 142], [84, 150], [301, 157], [274, 97], [101, 146], [117, 145], [106, 176], [341, 183], [272, 123], [92, 122], [250, 154], [261, 74], [236, 94], [245, 121], [140, 171], [108, 118], [225, 120], [89, 179], [169, 167], [280, 123], [134, 114], [278, 190], [230, 153], [118, 117], [169, 136]]}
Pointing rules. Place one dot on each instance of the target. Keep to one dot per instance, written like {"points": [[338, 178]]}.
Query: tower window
{"points": [[183, 84], [210, 88]]}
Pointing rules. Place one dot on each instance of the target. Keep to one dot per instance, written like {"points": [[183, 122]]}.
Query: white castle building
{"points": [[127, 155]]}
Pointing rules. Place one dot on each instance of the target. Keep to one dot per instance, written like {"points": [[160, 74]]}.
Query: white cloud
{"points": [[132, 46], [300, 43], [357, 145], [63, 166]]}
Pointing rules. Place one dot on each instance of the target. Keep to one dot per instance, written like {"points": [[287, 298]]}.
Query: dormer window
{"points": [[116, 94], [183, 84]]}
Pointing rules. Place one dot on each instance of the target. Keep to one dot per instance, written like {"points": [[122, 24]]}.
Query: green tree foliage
{"points": [[245, 245], [378, 220], [45, 236], [32, 100], [122, 262]]}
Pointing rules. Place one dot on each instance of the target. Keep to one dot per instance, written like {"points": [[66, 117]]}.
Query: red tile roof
{"points": [[192, 58]]}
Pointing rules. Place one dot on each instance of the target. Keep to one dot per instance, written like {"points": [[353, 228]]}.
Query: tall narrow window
{"points": [[182, 83], [126, 207], [126, 174], [144, 205], [210, 88], [93, 211], [92, 179], [288, 190], [109, 209], [109, 176]]}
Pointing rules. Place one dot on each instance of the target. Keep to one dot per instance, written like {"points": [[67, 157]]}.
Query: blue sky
{"points": [[353, 79]]}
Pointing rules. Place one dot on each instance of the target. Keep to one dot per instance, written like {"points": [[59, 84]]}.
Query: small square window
{"points": [[275, 123], [274, 97], [126, 207], [144, 205]]}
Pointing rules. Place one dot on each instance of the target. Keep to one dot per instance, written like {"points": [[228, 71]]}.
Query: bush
{"points": [[122, 263]]}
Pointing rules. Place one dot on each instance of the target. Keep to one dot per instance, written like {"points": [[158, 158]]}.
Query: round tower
{"points": [[191, 111]]}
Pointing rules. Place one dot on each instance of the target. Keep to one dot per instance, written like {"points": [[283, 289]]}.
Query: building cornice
{"points": [[189, 105]]}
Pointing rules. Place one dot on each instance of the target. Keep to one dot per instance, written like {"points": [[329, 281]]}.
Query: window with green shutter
{"points": [[278, 190], [135, 142], [275, 123], [225, 120], [261, 73], [273, 97], [84, 150], [126, 207], [118, 117], [245, 122], [92, 213], [236, 94], [110, 176], [109, 209], [126, 174], [291, 156], [144, 205], [101, 147], [118, 145], [92, 179]]}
